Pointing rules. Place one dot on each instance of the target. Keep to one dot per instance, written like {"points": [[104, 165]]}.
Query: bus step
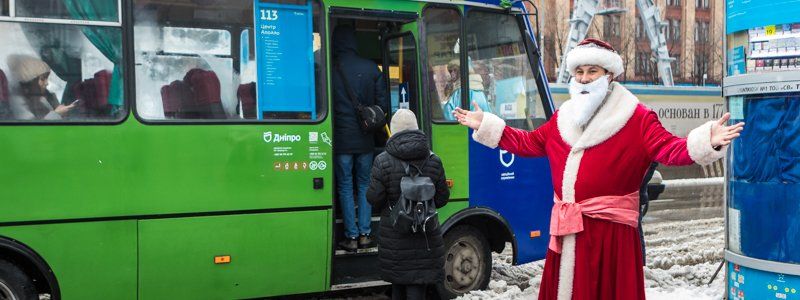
{"points": [[354, 267], [374, 219], [360, 251]]}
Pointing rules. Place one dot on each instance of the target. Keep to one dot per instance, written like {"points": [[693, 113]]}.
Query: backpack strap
{"points": [[407, 166]]}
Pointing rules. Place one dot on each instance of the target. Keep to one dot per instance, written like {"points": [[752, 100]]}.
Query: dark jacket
{"points": [[367, 83], [407, 258]]}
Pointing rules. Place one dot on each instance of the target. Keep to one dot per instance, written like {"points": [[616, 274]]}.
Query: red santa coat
{"points": [[609, 157]]}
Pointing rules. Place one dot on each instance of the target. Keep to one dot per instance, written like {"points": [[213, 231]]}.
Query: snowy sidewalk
{"points": [[681, 258]]}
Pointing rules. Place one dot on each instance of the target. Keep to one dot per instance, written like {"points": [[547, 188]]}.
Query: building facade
{"points": [[693, 31]]}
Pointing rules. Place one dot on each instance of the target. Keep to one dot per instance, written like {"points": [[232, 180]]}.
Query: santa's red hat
{"points": [[595, 52]]}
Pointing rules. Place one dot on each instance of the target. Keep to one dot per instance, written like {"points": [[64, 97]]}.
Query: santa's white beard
{"points": [[588, 98]]}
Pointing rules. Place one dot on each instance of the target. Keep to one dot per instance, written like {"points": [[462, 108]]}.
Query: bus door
{"points": [[383, 37], [444, 90], [503, 68]]}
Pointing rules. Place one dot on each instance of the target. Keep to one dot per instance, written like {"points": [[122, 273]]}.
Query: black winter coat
{"points": [[367, 83], [407, 258]]}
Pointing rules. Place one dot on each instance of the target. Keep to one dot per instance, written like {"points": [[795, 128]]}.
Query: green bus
{"points": [[183, 149]]}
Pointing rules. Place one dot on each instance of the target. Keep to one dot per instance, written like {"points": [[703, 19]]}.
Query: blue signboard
{"points": [[736, 65], [285, 58], [747, 14], [403, 93], [746, 283]]}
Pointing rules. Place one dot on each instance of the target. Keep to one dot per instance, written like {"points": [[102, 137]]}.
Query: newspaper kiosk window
{"points": [[229, 61], [64, 65], [500, 77]]}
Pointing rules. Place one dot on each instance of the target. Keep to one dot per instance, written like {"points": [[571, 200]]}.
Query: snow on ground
{"points": [[681, 258]]}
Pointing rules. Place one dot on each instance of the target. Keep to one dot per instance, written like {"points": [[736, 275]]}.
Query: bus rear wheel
{"points": [[468, 262], [15, 284]]}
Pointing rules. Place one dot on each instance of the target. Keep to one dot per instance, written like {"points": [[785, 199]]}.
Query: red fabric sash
{"points": [[567, 217]]}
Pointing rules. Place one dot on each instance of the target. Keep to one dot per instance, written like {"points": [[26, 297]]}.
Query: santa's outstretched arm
{"points": [[491, 131], [704, 144]]}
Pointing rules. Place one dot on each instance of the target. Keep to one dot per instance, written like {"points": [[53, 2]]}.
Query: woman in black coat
{"points": [[409, 261]]}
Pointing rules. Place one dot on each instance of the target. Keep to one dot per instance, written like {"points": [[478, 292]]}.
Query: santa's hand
{"points": [[471, 119], [722, 135]]}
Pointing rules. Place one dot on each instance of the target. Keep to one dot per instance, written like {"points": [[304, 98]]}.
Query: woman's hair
{"points": [[32, 91]]}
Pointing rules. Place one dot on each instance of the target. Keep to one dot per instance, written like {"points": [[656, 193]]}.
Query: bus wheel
{"points": [[15, 283], [468, 262]]}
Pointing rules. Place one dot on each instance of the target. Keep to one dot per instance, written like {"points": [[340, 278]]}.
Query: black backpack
{"points": [[415, 210]]}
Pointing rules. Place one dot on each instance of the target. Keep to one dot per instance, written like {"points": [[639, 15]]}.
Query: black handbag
{"points": [[371, 118]]}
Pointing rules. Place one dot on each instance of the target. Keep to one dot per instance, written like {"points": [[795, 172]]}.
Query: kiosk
{"points": [[762, 88]]}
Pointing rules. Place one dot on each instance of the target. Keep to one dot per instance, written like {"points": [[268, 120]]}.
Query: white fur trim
{"points": [[490, 131], [610, 118], [566, 270], [699, 144], [592, 55], [570, 175]]}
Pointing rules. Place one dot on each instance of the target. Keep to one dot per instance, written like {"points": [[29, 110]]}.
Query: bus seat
{"points": [[3, 87], [205, 87], [247, 97], [5, 111], [94, 91], [103, 85], [173, 96]]}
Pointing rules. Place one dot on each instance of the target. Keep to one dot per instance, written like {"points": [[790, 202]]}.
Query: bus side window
{"points": [[62, 73], [224, 46], [500, 74], [443, 82], [4, 8]]}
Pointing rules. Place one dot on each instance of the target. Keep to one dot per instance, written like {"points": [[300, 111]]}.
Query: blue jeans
{"points": [[344, 164]]}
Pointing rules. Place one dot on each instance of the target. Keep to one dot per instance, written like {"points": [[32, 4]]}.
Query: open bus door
{"points": [[387, 38]]}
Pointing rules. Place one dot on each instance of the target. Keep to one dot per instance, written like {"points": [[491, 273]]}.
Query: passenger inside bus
{"points": [[32, 100], [453, 90], [371, 43], [356, 80]]}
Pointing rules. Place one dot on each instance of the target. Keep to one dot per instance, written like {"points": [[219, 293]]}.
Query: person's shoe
{"points": [[364, 241], [349, 244]]}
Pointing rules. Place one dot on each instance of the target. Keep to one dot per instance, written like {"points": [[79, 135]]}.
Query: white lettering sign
{"points": [[270, 137]]}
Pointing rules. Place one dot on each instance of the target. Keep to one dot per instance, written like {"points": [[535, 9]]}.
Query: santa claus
{"points": [[599, 145]]}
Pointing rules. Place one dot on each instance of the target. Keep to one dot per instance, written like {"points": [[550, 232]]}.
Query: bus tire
{"points": [[468, 262], [15, 283]]}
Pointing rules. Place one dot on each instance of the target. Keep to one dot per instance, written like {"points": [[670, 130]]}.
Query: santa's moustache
{"points": [[588, 98]]}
